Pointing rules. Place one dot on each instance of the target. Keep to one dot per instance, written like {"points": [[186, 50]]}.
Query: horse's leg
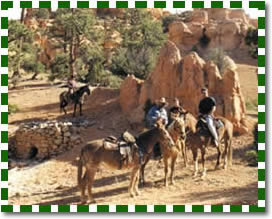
{"points": [[183, 150], [194, 151], [142, 177], [173, 162], [229, 151], [91, 173], [226, 152], [80, 108], [136, 182], [63, 105], [133, 178], [82, 187], [203, 154], [75, 106], [219, 155], [165, 160]]}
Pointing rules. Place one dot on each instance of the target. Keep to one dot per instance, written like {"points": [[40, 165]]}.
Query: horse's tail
{"points": [[79, 171]]}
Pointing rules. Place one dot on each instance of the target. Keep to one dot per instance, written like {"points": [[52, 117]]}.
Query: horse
{"points": [[196, 140], [176, 130], [94, 154], [77, 98]]}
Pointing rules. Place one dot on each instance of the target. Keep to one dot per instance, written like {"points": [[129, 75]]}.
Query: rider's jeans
{"points": [[211, 126]]}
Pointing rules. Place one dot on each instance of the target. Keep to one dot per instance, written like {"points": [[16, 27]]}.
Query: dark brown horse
{"points": [[94, 153], [77, 98]]}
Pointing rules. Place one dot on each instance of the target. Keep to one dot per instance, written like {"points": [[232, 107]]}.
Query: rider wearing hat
{"points": [[176, 110], [158, 111], [207, 107]]}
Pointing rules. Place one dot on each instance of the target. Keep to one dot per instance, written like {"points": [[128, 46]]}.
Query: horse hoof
{"points": [[132, 195], [138, 193], [195, 175], [92, 201], [217, 167], [203, 175]]}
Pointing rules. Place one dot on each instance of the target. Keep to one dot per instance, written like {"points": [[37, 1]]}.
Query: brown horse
{"points": [[94, 153], [177, 132], [197, 141]]}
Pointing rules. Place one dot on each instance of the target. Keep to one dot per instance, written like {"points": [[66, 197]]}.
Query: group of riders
{"points": [[206, 109]]}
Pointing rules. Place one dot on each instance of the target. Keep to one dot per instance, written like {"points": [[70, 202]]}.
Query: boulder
{"points": [[239, 14], [178, 30], [130, 93], [218, 13], [200, 16]]}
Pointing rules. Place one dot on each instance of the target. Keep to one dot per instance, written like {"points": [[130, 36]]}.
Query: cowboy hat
{"points": [[162, 101]]}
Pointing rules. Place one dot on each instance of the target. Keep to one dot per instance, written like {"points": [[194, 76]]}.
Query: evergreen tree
{"points": [[142, 39], [76, 34]]}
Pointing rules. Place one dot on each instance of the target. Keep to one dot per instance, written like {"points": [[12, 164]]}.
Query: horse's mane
{"points": [[191, 122]]}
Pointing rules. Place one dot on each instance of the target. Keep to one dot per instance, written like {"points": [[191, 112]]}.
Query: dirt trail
{"points": [[54, 181]]}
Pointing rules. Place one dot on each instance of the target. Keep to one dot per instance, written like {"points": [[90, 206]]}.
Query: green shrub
{"points": [[252, 104], [251, 40], [219, 57], [12, 108], [251, 157]]}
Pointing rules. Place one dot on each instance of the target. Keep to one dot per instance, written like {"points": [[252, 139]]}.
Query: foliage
{"points": [[140, 46], [185, 16], [204, 40], [12, 108], [22, 52], [252, 104], [60, 67], [41, 13], [81, 42], [251, 40], [218, 56], [18, 30], [251, 157]]}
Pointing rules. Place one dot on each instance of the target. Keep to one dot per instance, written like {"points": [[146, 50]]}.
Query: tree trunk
{"points": [[72, 52], [72, 58], [17, 71]]}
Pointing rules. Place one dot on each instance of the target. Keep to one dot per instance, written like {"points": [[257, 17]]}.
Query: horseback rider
{"points": [[207, 107], [157, 112], [72, 86], [176, 110]]}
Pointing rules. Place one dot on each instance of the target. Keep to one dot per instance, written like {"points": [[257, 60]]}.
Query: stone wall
{"points": [[45, 139]]}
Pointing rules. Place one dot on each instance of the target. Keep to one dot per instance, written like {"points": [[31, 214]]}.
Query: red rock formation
{"points": [[175, 76]]}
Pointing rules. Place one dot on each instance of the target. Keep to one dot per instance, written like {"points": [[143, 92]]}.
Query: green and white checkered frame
{"points": [[6, 8]]}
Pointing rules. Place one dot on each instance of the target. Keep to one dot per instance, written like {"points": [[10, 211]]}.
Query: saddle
{"points": [[202, 126], [124, 145]]}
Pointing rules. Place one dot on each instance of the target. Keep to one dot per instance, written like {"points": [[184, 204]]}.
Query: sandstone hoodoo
{"points": [[223, 28], [183, 77]]}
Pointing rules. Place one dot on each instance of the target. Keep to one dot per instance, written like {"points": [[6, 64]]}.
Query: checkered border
{"points": [[257, 5]]}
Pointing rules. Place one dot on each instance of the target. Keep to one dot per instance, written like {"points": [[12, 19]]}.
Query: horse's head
{"points": [[87, 90], [164, 134], [178, 126]]}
